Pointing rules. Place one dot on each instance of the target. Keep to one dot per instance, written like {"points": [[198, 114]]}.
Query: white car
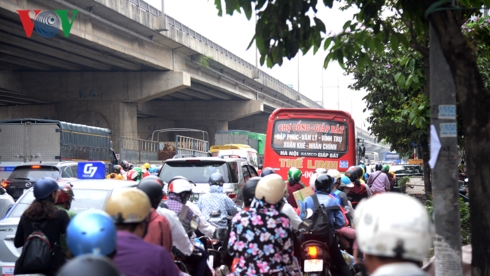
{"points": [[89, 194]]}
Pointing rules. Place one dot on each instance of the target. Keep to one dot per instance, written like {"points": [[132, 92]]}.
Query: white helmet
{"points": [[179, 185], [321, 170], [334, 173], [404, 232], [271, 189]]}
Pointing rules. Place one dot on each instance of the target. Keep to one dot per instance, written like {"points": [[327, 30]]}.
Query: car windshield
{"points": [[199, 172], [85, 199], [34, 173], [406, 169]]}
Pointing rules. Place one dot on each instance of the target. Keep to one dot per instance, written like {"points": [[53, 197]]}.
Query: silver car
{"points": [[89, 194], [236, 172]]}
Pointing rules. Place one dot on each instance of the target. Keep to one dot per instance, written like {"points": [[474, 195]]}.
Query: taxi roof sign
{"points": [[91, 170]]}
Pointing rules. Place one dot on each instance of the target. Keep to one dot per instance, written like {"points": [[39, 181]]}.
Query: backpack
{"points": [[319, 224], [37, 251], [336, 196]]}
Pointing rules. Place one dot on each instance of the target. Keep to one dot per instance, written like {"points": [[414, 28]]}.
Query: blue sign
{"points": [[447, 112], [344, 164], [91, 170], [7, 169]]}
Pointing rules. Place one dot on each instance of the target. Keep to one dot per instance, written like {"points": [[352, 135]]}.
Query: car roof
{"points": [[47, 163], [205, 159], [98, 184]]}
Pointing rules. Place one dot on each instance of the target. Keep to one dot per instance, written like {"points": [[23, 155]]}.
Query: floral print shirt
{"points": [[262, 239]]}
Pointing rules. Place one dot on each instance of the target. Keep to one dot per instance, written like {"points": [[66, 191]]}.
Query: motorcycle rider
{"points": [[267, 171], [124, 168], [159, 231], [216, 206], [92, 232], [294, 184], [180, 190], [379, 181], [359, 191], [129, 209], [63, 202], [89, 264], [394, 240], [116, 173], [317, 172], [261, 237], [323, 185]]}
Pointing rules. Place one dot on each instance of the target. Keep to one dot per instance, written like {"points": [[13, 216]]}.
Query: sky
{"points": [[235, 32]]}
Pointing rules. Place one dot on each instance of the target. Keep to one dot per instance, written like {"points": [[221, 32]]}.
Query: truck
{"points": [[140, 151], [253, 139], [41, 140]]}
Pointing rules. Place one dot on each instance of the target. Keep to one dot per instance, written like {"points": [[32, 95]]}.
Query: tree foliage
{"points": [[285, 27], [396, 97]]}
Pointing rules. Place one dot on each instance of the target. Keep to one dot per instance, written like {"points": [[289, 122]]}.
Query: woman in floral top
{"points": [[261, 237]]}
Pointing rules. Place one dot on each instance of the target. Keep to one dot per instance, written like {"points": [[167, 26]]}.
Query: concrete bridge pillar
{"points": [[102, 99]]}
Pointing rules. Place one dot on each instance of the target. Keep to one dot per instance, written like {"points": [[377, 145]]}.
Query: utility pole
{"points": [[298, 72], [338, 91], [323, 102], [444, 163]]}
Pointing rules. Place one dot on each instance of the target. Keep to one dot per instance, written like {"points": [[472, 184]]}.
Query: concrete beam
{"points": [[67, 45], [102, 86], [50, 51], [42, 58], [157, 84], [25, 62], [198, 110]]}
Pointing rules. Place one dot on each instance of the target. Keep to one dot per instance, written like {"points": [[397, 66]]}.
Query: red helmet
{"points": [[66, 193]]}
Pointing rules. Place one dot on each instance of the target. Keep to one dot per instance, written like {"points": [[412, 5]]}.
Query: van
{"points": [[236, 151]]}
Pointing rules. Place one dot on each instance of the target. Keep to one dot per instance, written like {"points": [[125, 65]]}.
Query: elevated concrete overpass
{"points": [[128, 67]]}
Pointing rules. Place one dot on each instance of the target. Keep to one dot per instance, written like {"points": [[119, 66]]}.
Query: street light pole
{"points": [[338, 91], [323, 103]]}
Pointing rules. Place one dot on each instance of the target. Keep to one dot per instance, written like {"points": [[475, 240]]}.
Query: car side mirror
{"points": [[2, 191], [261, 166]]}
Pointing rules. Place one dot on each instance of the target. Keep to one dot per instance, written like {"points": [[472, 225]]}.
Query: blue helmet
{"points": [[267, 171], [91, 231], [44, 187], [216, 179]]}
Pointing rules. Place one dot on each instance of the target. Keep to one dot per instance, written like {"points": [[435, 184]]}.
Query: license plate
{"points": [[313, 265], [7, 271]]}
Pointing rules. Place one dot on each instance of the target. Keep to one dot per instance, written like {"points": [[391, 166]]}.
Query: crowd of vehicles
{"points": [[312, 140]]}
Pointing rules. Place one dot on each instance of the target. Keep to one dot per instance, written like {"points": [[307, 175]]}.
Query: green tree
{"points": [[284, 28], [397, 100]]}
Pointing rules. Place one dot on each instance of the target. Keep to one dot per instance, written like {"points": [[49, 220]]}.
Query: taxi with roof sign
{"points": [[91, 190]]}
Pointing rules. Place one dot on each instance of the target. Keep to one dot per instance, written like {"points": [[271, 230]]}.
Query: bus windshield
{"points": [[309, 139]]}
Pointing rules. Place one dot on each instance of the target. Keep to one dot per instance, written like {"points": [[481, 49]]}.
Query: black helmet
{"points": [[89, 264], [124, 165], [216, 179], [324, 183], [248, 191], [116, 168], [153, 190], [130, 166], [152, 178], [352, 174], [267, 171], [359, 171], [378, 167]]}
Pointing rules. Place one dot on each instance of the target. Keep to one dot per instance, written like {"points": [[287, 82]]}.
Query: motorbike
{"points": [[315, 255]]}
